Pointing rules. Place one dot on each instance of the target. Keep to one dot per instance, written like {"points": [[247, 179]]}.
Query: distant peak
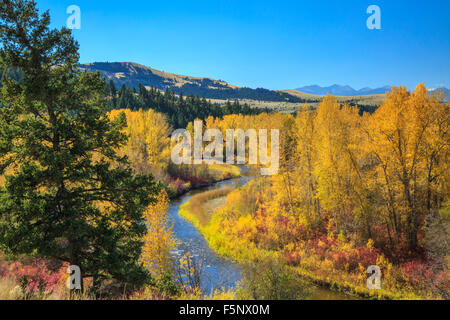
{"points": [[342, 90]]}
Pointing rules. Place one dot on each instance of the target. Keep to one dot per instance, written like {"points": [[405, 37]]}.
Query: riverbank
{"points": [[216, 174], [311, 269], [198, 210]]}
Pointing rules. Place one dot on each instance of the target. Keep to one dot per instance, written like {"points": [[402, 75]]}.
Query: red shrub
{"points": [[300, 232], [418, 272], [292, 258], [441, 284], [351, 259], [367, 256], [196, 181], [179, 186], [33, 277], [340, 260]]}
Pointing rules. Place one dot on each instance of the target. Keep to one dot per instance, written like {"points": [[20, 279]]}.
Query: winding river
{"points": [[218, 271]]}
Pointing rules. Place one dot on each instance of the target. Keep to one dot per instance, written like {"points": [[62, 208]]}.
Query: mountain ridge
{"points": [[133, 74]]}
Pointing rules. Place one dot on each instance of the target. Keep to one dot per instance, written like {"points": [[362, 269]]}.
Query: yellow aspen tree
{"points": [[408, 135], [306, 159], [336, 166], [160, 239], [148, 146]]}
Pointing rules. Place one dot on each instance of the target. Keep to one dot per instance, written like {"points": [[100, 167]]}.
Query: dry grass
{"points": [[200, 207], [314, 100], [370, 99], [11, 290], [224, 171]]}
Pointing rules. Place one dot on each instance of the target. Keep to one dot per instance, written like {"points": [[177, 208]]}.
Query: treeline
{"points": [[226, 93], [179, 110]]}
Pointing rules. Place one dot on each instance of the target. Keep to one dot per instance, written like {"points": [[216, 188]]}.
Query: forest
{"points": [[86, 179]]}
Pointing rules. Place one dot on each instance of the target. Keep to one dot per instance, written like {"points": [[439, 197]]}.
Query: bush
{"points": [[270, 280], [35, 279]]}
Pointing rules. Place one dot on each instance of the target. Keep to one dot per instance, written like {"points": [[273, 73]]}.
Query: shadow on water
{"points": [[217, 271]]}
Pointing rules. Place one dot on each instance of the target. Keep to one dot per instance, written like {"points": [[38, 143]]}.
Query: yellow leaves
{"points": [[223, 294], [246, 227], [336, 143], [149, 138], [385, 266], [370, 244], [186, 264], [407, 138], [159, 240], [402, 124], [350, 176]]}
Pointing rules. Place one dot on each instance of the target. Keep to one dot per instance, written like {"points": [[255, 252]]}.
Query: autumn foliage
{"points": [[352, 191], [159, 240]]}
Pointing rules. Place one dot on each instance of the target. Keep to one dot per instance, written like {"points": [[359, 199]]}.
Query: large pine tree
{"points": [[67, 194]]}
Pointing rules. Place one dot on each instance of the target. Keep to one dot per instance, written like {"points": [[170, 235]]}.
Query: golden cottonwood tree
{"points": [[159, 240], [409, 137], [148, 146], [306, 162], [337, 169]]}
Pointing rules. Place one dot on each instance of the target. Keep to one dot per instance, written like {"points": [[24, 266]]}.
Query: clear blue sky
{"points": [[272, 44]]}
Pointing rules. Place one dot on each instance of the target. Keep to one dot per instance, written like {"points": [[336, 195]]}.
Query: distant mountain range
{"points": [[447, 91], [345, 91]]}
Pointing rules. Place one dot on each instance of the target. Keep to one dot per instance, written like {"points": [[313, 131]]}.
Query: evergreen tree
{"points": [[113, 93], [67, 194]]}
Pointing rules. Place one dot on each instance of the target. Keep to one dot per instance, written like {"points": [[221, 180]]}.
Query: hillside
{"points": [[133, 74]]}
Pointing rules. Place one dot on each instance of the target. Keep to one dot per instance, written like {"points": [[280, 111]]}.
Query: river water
{"points": [[217, 271]]}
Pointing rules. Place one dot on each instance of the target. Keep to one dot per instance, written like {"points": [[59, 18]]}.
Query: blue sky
{"points": [[272, 44]]}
